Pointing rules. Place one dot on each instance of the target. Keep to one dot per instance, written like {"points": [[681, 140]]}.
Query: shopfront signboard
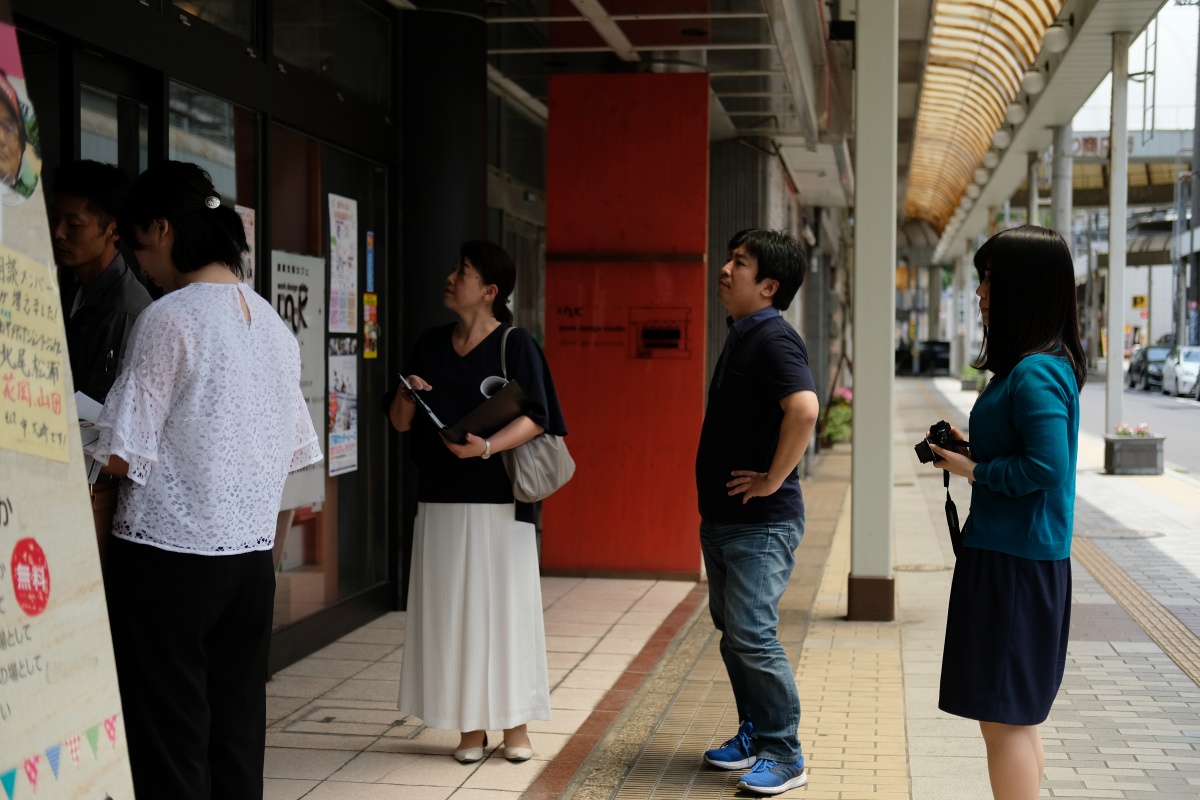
{"points": [[62, 734]]}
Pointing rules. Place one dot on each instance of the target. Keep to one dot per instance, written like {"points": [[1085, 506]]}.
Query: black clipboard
{"points": [[493, 414]]}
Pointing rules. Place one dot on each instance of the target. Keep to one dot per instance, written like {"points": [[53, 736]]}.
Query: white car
{"points": [[1180, 371]]}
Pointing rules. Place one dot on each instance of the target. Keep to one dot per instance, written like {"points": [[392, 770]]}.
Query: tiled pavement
{"points": [[639, 692]]}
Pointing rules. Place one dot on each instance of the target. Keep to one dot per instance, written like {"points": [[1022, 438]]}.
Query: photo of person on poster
{"points": [[20, 161]]}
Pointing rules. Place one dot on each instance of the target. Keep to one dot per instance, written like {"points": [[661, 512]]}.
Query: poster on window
{"points": [[247, 215], [342, 453], [370, 325], [343, 264], [62, 731], [298, 287]]}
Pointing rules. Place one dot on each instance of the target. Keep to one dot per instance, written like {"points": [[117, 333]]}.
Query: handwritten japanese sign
{"points": [[62, 733], [33, 411]]}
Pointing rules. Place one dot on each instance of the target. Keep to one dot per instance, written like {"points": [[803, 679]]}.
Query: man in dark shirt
{"points": [[762, 408], [83, 223]]}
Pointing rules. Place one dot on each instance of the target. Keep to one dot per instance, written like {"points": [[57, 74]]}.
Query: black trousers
{"points": [[191, 635]]}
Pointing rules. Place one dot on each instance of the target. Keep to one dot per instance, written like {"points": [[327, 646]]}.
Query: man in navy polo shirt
{"points": [[762, 408]]}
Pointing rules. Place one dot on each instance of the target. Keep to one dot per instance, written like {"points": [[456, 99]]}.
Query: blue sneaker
{"points": [[773, 777], [737, 753]]}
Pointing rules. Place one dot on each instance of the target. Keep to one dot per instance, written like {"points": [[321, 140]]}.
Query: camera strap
{"points": [[952, 516]]}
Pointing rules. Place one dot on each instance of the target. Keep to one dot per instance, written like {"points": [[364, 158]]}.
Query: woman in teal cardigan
{"points": [[1010, 602]]}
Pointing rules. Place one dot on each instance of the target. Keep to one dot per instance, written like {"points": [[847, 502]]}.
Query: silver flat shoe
{"points": [[469, 755], [518, 753]]}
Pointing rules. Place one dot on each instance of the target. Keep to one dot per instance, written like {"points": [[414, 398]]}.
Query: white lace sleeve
{"points": [[306, 444], [136, 407]]}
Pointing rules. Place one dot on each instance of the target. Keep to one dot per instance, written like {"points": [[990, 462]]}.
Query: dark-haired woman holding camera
{"points": [[205, 421], [1010, 602]]}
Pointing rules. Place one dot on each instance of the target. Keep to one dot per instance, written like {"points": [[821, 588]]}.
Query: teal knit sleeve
{"points": [[1040, 399]]}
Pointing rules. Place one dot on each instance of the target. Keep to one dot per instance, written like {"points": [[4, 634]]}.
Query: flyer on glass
{"points": [[299, 289], [343, 264], [342, 453]]}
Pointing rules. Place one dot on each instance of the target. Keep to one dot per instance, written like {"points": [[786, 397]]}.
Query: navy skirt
{"points": [[1006, 637]]}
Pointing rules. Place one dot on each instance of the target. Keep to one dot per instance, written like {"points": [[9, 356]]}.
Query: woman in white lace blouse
{"points": [[205, 420]]}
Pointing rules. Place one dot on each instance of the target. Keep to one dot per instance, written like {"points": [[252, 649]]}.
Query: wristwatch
{"points": [[487, 449]]}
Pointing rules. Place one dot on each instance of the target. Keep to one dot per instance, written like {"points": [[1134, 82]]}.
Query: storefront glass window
{"points": [[345, 41], [98, 125], [234, 16], [330, 542], [217, 135]]}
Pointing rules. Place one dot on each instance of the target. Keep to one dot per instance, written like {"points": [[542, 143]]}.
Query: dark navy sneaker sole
{"points": [[745, 763], [794, 783]]}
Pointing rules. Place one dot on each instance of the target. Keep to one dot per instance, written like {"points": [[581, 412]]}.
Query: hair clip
{"points": [[212, 201]]}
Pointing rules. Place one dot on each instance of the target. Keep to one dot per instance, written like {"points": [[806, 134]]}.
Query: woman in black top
{"points": [[475, 648]]}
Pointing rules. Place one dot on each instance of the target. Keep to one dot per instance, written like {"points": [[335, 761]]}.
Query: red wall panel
{"points": [[627, 164], [627, 208]]}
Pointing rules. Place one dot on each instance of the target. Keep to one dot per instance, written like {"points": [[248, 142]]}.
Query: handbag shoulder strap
{"points": [[503, 347]]}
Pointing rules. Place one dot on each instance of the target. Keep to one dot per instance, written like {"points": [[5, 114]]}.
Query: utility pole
{"points": [[1118, 155]]}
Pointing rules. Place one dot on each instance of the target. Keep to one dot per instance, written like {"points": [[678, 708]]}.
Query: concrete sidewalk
{"points": [[639, 691]]}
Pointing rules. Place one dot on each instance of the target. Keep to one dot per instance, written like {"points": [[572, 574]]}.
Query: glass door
{"points": [[116, 104]]}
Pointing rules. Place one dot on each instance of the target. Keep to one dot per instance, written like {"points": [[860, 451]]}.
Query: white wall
{"points": [[1158, 322]]}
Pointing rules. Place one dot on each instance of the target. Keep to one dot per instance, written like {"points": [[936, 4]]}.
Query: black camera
{"points": [[940, 435]]}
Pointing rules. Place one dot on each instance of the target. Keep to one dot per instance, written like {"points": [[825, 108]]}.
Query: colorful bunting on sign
{"points": [[93, 736], [52, 754], [31, 770]]}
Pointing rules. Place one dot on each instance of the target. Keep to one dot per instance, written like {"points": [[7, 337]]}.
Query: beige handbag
{"points": [[542, 465]]}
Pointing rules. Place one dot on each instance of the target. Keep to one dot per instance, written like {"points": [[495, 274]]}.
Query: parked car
{"points": [[1145, 369], [935, 357], [1181, 370]]}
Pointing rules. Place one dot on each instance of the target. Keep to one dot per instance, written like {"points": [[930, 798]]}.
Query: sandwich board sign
{"points": [[62, 734]]}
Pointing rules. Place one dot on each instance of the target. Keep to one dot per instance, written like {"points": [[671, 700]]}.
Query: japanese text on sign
{"points": [[33, 413]]}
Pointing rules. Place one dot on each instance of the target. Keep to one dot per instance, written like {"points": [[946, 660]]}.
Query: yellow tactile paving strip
{"points": [[1179, 643], [851, 690], [688, 703], [852, 725]]}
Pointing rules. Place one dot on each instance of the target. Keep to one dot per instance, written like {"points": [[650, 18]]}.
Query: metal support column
{"points": [[963, 309], [933, 305], [1118, 154], [1183, 201], [1061, 185], [1032, 214], [872, 591], [1190, 265]]}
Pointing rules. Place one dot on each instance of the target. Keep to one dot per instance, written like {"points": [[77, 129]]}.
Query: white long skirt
{"points": [[475, 645]]}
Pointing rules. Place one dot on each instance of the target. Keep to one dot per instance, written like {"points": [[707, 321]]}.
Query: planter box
{"points": [[1133, 455]]}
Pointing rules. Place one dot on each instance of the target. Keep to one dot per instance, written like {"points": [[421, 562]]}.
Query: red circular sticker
{"points": [[30, 577]]}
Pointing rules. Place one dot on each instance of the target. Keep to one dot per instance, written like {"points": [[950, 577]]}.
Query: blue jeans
{"points": [[748, 568]]}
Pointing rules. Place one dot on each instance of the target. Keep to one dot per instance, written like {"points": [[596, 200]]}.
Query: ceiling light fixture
{"points": [[1001, 139], [973, 191], [981, 176], [1058, 36], [1015, 114], [1034, 81], [991, 159]]}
